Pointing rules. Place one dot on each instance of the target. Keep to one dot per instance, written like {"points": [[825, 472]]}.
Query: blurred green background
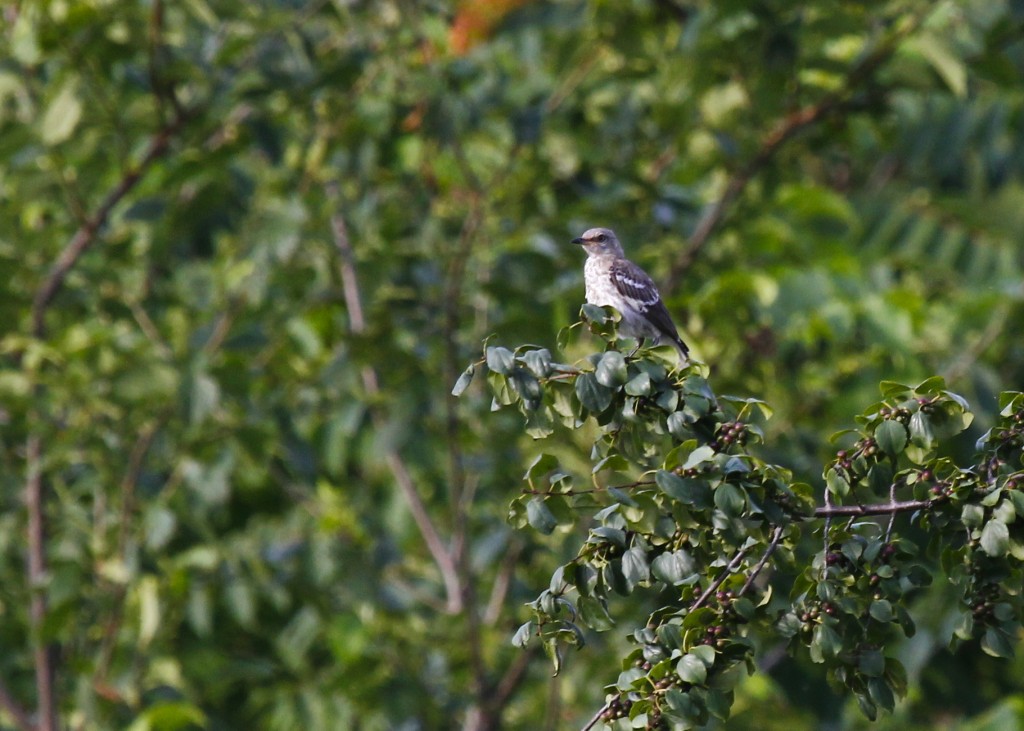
{"points": [[288, 226]]}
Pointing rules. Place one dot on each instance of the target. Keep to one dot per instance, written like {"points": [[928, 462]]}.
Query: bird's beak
{"points": [[578, 240]]}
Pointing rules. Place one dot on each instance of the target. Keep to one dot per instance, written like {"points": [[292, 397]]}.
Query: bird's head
{"points": [[600, 242]]}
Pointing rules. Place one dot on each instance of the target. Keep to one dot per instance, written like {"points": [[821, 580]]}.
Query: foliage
{"points": [[683, 510], [246, 249]]}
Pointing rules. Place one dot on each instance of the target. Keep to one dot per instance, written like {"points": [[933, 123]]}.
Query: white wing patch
{"points": [[633, 284]]}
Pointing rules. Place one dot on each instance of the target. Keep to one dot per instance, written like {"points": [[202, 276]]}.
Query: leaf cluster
{"points": [[679, 510]]}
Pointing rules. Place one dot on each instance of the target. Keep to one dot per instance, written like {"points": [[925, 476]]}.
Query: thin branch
{"points": [[595, 718], [403, 478], [890, 508], [21, 718], [44, 651], [776, 537], [85, 236], [733, 565], [783, 132], [502, 582], [512, 679], [892, 516], [827, 529]]}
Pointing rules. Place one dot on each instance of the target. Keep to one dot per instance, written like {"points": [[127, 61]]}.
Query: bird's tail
{"points": [[684, 351]]}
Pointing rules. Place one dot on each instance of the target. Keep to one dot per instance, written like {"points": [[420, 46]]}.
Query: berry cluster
{"points": [[617, 708], [866, 447], [730, 433], [984, 601], [813, 611], [901, 414]]}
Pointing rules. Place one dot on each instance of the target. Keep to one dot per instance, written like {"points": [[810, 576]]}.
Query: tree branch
{"points": [[85, 236], [889, 508], [403, 478], [776, 537], [783, 132]]}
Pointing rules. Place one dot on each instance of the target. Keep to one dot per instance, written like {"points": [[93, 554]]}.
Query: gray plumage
{"points": [[612, 279]]}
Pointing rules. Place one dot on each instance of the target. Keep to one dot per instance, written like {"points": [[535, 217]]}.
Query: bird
{"points": [[612, 279]]}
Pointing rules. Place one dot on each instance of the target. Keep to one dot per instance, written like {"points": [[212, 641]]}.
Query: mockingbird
{"points": [[612, 279]]}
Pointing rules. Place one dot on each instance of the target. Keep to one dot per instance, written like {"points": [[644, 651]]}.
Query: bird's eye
{"points": [[601, 237]]}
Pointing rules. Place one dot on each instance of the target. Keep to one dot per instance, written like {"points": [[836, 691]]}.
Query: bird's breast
{"points": [[598, 282]]}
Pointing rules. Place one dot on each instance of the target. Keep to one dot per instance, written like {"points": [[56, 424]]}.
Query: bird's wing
{"points": [[634, 284]]}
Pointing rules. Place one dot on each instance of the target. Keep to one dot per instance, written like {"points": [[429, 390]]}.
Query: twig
{"points": [[85, 236], [892, 516], [733, 565], [502, 582], [403, 478], [776, 537], [595, 718], [783, 132]]}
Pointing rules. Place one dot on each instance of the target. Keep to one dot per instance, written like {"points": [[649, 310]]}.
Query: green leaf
{"points": [[836, 483], [871, 663], [730, 499], [522, 636], [995, 538], [972, 516], [869, 709], [674, 567], [159, 526], [698, 457], [594, 314], [540, 516], [500, 360], [881, 610], [594, 614], [881, 693], [149, 609], [241, 601], [169, 716], [538, 362], [686, 490], [611, 369], [594, 397], [944, 59], [825, 643], [464, 380], [635, 568], [891, 436], [204, 397], [921, 430], [628, 677], [692, 669], [996, 643], [61, 115], [640, 385]]}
